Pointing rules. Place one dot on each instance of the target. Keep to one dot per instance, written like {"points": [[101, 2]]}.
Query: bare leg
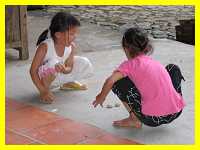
{"points": [[46, 81], [131, 121]]}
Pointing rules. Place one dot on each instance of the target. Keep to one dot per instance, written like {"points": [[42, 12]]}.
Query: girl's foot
{"points": [[128, 122], [73, 86], [47, 97]]}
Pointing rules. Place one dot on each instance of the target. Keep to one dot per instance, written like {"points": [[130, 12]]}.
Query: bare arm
{"points": [[36, 63], [70, 61], [108, 84]]}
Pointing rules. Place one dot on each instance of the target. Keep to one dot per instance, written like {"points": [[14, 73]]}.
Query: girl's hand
{"points": [[108, 84], [60, 67], [99, 100], [47, 97], [67, 70]]}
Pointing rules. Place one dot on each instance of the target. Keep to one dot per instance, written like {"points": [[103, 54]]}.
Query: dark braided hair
{"points": [[136, 41]]}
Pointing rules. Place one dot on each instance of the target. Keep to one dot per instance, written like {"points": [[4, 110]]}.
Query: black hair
{"points": [[61, 22], [136, 41]]}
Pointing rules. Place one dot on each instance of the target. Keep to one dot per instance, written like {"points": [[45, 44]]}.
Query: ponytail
{"points": [[42, 37]]}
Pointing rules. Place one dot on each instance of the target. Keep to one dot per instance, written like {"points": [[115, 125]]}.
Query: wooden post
{"points": [[23, 53], [16, 30]]}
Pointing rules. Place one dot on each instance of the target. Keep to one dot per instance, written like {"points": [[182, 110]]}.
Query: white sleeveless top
{"points": [[51, 52]]}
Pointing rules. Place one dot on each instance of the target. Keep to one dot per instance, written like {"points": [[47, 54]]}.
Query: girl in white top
{"points": [[55, 58]]}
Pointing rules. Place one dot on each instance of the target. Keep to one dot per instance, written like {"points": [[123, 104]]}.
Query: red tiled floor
{"points": [[35, 143], [29, 118], [109, 139], [13, 138], [65, 132], [12, 105], [30, 125]]}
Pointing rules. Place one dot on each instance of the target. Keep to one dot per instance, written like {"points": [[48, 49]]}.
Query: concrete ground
{"points": [[76, 105]]}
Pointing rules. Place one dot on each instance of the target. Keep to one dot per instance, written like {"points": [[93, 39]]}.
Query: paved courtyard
{"points": [[102, 46]]}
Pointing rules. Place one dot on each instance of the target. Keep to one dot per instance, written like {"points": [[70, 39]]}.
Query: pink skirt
{"points": [[45, 71]]}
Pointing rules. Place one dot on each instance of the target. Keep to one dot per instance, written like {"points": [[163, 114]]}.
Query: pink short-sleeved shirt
{"points": [[159, 97]]}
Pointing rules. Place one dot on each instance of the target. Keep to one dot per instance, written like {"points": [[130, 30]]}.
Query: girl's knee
{"points": [[170, 67]]}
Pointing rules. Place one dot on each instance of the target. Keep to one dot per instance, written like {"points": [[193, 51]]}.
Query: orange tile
{"points": [[109, 139], [13, 138], [45, 127], [36, 143], [12, 105], [65, 132], [29, 118]]}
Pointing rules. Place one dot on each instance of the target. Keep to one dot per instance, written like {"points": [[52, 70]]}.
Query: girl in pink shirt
{"points": [[150, 92]]}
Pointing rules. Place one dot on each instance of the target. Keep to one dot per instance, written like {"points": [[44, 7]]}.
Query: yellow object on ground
{"points": [[73, 86]]}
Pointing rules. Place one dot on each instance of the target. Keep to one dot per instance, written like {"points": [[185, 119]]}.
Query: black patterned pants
{"points": [[127, 92]]}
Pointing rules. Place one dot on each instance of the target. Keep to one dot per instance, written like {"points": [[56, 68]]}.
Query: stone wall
{"points": [[159, 21]]}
